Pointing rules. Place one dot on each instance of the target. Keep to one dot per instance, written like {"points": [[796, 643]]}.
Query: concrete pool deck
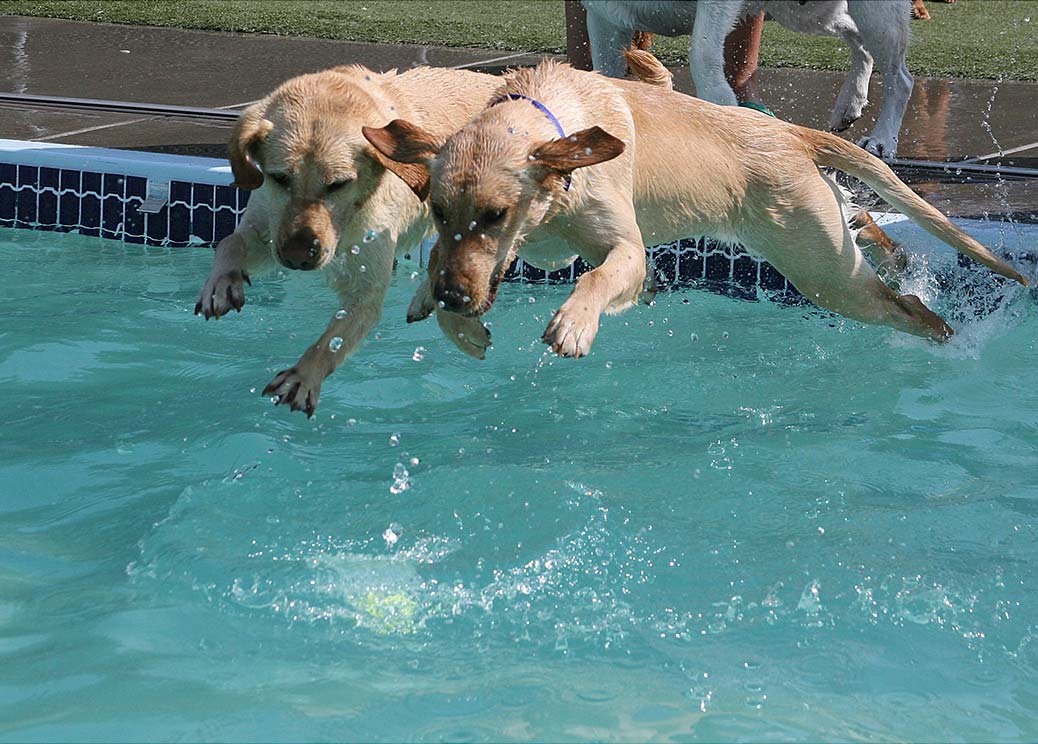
{"points": [[946, 119]]}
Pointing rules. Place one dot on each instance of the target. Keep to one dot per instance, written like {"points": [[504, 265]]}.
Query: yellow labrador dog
{"points": [[324, 201], [565, 162]]}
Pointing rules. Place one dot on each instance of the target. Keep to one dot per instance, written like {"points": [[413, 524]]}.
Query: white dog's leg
{"points": [[242, 251], [854, 95], [715, 19], [884, 29], [607, 42]]}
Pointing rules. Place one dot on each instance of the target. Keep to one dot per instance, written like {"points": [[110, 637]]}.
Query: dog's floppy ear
{"points": [[248, 132], [579, 150], [406, 150]]}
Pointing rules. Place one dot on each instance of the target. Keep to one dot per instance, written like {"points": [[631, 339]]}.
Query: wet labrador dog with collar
{"points": [[323, 201], [565, 163]]}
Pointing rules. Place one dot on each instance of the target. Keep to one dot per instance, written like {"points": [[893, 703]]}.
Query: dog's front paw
{"points": [[221, 293], [296, 389], [467, 333], [880, 147], [572, 331]]}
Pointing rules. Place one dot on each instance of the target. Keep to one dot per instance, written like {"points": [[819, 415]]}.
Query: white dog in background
{"points": [[875, 30]]}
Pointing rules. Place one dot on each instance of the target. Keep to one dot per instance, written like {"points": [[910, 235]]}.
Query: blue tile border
{"points": [[99, 193]]}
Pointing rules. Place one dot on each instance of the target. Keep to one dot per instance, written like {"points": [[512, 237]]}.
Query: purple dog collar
{"points": [[544, 110]]}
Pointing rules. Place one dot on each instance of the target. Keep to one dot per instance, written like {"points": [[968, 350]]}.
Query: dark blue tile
{"points": [[744, 271], [90, 204], [8, 180], [133, 219], [690, 266], [133, 222], [718, 268], [225, 220], [156, 227], [203, 200], [243, 198], [665, 263], [90, 181], [770, 279], [68, 201], [136, 187], [113, 184], [179, 212], [25, 209], [47, 206], [112, 206]]}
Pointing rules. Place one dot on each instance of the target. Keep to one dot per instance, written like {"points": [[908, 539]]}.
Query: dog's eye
{"points": [[493, 216], [336, 185], [437, 213], [281, 179]]}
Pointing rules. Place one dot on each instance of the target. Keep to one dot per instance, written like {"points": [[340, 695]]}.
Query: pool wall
{"points": [[179, 201]]}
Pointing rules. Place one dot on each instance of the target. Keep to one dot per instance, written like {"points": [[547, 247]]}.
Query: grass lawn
{"points": [[972, 38]]}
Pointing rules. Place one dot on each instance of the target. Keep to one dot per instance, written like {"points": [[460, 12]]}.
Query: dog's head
{"points": [[303, 144], [488, 187]]}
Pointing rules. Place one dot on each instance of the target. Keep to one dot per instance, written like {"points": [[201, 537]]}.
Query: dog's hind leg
{"points": [[854, 95], [714, 20], [886, 254], [608, 42], [884, 29], [812, 246]]}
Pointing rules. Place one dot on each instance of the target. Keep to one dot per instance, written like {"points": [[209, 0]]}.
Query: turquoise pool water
{"points": [[733, 520]]}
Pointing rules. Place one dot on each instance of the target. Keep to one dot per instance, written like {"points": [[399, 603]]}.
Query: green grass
{"points": [[972, 38]]}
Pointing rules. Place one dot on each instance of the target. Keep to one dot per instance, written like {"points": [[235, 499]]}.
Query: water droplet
{"points": [[457, 236], [340, 314], [413, 461], [695, 337], [369, 236], [511, 130], [401, 479], [587, 150], [472, 225], [392, 534], [335, 344], [419, 354], [363, 268], [466, 298], [394, 440], [354, 249], [609, 365], [441, 304], [724, 334]]}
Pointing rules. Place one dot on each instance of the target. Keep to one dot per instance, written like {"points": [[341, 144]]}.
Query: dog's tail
{"points": [[831, 151], [648, 69]]}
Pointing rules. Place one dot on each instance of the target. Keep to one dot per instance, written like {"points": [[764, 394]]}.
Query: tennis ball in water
{"points": [[387, 613]]}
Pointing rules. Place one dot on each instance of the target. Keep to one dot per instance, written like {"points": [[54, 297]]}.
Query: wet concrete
{"points": [[946, 119]]}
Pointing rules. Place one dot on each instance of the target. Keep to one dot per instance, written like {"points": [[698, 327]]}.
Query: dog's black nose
{"points": [[301, 250]]}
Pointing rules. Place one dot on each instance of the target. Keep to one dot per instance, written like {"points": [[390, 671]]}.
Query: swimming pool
{"points": [[733, 520]]}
